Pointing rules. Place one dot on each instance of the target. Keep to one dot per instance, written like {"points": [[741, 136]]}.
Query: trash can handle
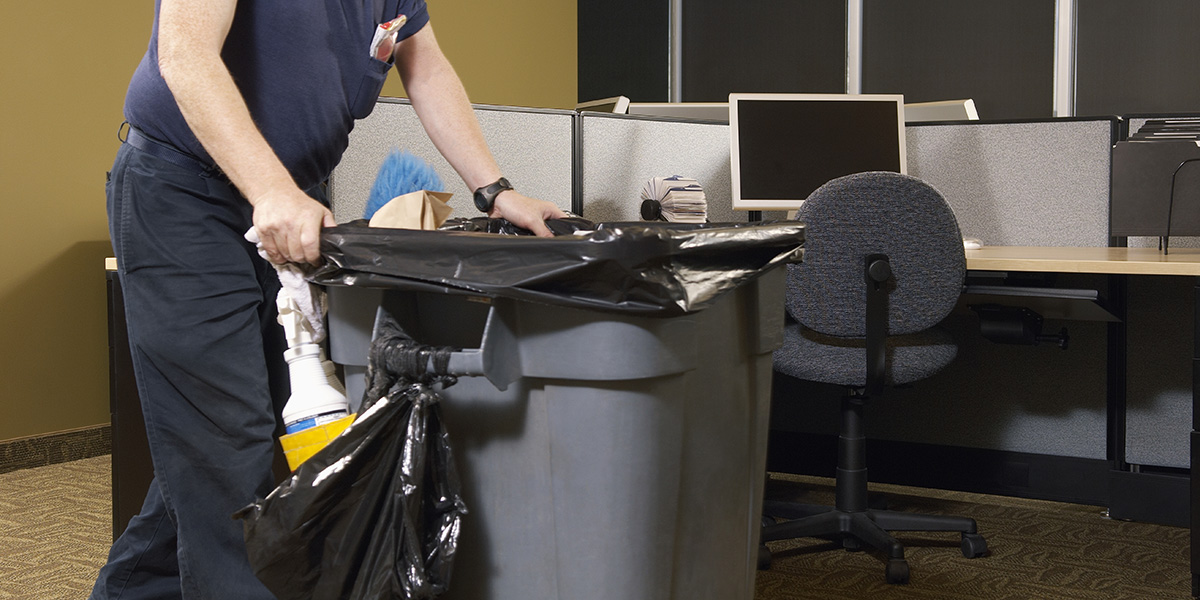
{"points": [[465, 363]]}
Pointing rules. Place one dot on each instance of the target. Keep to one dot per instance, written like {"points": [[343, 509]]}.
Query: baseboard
{"points": [[1150, 498], [54, 448], [1022, 475]]}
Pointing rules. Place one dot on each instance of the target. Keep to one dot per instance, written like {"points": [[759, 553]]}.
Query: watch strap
{"points": [[485, 197]]}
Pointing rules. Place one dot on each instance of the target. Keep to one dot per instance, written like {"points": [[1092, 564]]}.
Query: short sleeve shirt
{"points": [[305, 70]]}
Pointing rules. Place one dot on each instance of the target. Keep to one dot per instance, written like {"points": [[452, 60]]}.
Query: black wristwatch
{"points": [[485, 196]]}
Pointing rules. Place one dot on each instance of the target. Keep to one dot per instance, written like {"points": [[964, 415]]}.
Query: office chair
{"points": [[883, 264]]}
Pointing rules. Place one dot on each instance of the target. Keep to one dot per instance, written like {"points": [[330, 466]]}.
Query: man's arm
{"points": [[441, 103], [191, 34]]}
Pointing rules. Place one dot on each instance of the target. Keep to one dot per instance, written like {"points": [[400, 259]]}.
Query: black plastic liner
{"points": [[652, 269], [376, 513]]}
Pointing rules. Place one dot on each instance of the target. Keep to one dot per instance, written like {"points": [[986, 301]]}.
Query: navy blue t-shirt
{"points": [[304, 68]]}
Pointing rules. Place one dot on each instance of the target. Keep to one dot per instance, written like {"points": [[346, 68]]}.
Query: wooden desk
{"points": [[131, 466], [1119, 261], [1104, 261]]}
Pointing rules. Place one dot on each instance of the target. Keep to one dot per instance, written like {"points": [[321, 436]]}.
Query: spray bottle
{"points": [[317, 396]]}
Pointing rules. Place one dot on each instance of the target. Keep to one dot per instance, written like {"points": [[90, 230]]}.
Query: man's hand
{"points": [[289, 225], [526, 212]]}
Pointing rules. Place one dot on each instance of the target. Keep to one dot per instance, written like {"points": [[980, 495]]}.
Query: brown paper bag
{"points": [[421, 209]]}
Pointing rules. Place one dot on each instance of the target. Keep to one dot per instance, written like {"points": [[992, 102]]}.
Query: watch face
{"points": [[482, 202]]}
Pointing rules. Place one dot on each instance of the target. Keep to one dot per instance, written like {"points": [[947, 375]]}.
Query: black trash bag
{"points": [[564, 226], [648, 269], [376, 513]]}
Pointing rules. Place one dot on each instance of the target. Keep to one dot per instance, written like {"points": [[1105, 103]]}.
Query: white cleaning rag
{"points": [[305, 298]]}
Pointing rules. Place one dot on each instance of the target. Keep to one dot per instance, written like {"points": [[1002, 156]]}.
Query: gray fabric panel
{"points": [[808, 355], [853, 216], [533, 148], [620, 153], [1159, 397], [1020, 184], [1152, 242]]}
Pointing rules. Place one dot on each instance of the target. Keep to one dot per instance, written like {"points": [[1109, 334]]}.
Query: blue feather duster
{"points": [[401, 173]]}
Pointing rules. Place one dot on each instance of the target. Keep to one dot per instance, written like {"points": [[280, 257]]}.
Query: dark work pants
{"points": [[207, 355]]}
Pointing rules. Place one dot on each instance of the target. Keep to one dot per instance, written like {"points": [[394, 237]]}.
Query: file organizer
{"points": [[1133, 123], [1156, 184]]}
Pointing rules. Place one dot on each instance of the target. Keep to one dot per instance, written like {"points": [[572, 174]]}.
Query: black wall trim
{"points": [[54, 448], [1040, 476], [1149, 498], [1161, 498]]}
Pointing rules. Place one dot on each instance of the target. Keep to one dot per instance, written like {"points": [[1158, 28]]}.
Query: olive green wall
{"points": [[62, 84], [510, 53]]}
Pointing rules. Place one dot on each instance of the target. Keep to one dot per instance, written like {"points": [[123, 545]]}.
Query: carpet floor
{"points": [[56, 526]]}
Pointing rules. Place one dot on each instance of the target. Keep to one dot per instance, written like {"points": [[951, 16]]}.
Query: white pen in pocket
{"points": [[385, 38]]}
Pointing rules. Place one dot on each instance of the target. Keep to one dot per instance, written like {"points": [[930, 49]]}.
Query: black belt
{"points": [[158, 149]]}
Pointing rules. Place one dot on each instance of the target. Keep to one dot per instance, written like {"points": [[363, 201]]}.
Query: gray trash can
{"points": [[603, 456]]}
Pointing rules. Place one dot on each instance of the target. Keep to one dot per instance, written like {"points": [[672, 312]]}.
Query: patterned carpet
{"points": [[55, 528], [1039, 550]]}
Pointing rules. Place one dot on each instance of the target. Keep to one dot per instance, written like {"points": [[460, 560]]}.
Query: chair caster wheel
{"points": [[764, 557], [973, 545], [897, 570], [852, 544]]}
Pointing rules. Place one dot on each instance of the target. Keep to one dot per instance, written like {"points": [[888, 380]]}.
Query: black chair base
{"points": [[867, 527], [851, 521]]}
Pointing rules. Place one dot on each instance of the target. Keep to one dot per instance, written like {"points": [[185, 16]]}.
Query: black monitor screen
{"points": [[787, 146]]}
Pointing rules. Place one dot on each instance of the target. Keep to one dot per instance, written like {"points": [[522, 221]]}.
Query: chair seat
{"points": [[812, 356]]}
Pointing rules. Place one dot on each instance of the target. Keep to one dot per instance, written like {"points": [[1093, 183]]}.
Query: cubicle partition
{"points": [[1021, 183], [593, 163], [534, 148], [619, 153]]}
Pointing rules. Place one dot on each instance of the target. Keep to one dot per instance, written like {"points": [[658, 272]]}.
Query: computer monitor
{"points": [[785, 146]]}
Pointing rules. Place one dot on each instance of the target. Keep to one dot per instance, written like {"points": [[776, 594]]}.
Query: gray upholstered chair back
{"points": [[867, 213]]}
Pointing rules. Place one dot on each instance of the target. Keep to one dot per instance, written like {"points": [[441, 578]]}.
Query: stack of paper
{"points": [[682, 199]]}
